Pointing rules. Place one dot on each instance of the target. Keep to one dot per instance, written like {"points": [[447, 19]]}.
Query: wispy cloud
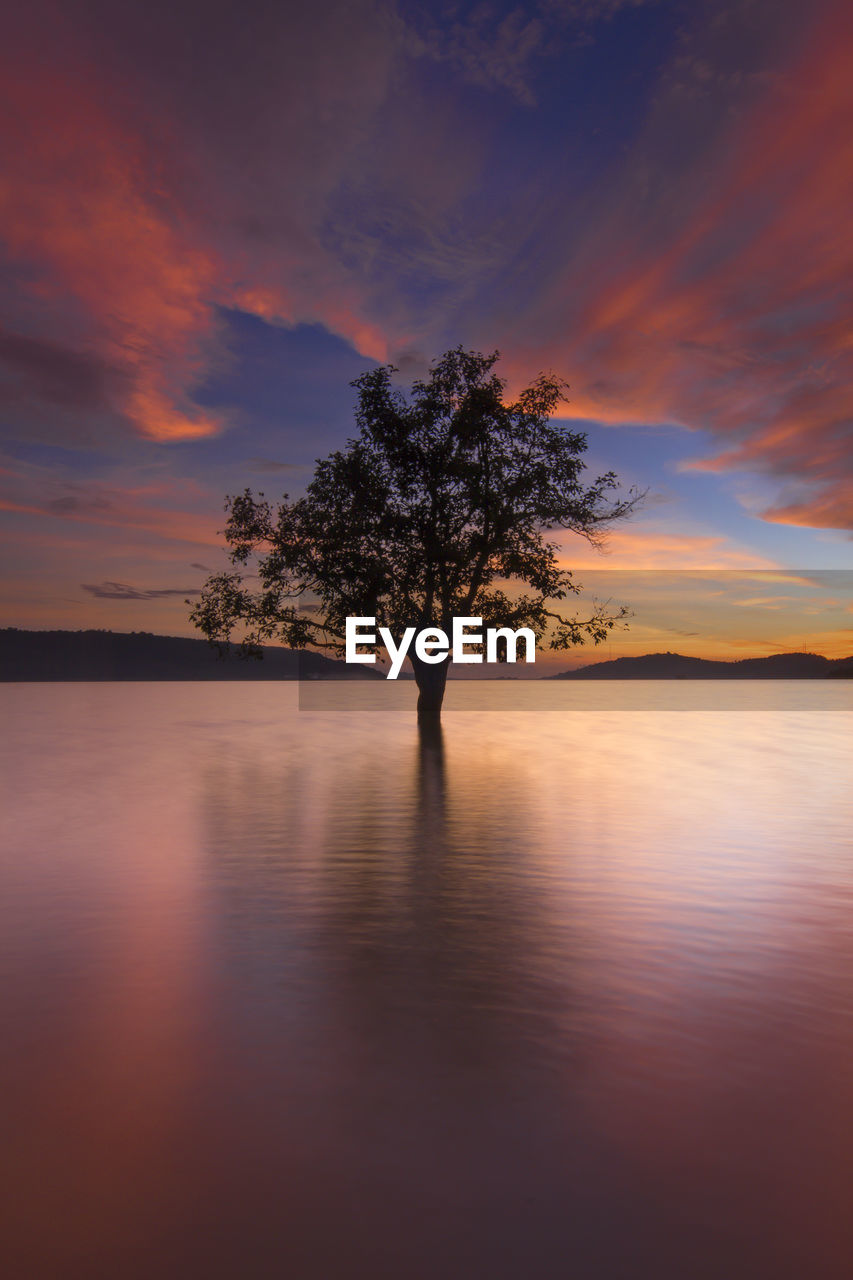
{"points": [[174, 510], [128, 213], [121, 591], [717, 294], [305, 170], [274, 467], [498, 49], [639, 549]]}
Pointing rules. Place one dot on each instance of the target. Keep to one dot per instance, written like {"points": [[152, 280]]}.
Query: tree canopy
{"points": [[439, 507]]}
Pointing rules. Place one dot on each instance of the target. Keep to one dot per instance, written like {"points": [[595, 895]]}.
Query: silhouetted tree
{"points": [[436, 509]]}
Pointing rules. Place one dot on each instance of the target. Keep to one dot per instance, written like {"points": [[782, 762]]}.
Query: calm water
{"points": [[289, 994]]}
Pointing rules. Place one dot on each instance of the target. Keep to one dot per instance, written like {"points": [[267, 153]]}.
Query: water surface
{"points": [[295, 994]]}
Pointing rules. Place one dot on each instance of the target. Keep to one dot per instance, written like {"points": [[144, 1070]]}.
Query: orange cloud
{"points": [[720, 299], [275, 174], [832, 508], [174, 510], [635, 549], [127, 218], [101, 251]]}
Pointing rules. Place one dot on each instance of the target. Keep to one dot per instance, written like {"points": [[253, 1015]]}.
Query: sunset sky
{"points": [[214, 216]]}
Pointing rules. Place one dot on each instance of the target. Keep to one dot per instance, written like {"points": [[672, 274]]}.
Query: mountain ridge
{"points": [[676, 666], [56, 655], [101, 655]]}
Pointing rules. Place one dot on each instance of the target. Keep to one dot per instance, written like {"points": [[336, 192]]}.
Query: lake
{"points": [[290, 993]]}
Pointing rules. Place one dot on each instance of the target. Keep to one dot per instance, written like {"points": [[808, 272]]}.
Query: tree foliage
{"points": [[440, 506]]}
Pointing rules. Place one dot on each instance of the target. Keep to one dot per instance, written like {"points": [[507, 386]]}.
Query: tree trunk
{"points": [[431, 677]]}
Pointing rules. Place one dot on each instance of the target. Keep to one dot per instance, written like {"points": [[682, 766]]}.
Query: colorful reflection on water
{"points": [[295, 993]]}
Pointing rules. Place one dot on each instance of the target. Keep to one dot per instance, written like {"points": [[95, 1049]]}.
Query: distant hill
{"points": [[138, 655], [674, 666], [112, 655]]}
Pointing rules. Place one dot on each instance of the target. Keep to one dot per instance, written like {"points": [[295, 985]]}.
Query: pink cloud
{"points": [[119, 281], [719, 297], [172, 510], [131, 209], [638, 549], [274, 172]]}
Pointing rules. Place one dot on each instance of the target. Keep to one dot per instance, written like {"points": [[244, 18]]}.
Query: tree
{"points": [[437, 508]]}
